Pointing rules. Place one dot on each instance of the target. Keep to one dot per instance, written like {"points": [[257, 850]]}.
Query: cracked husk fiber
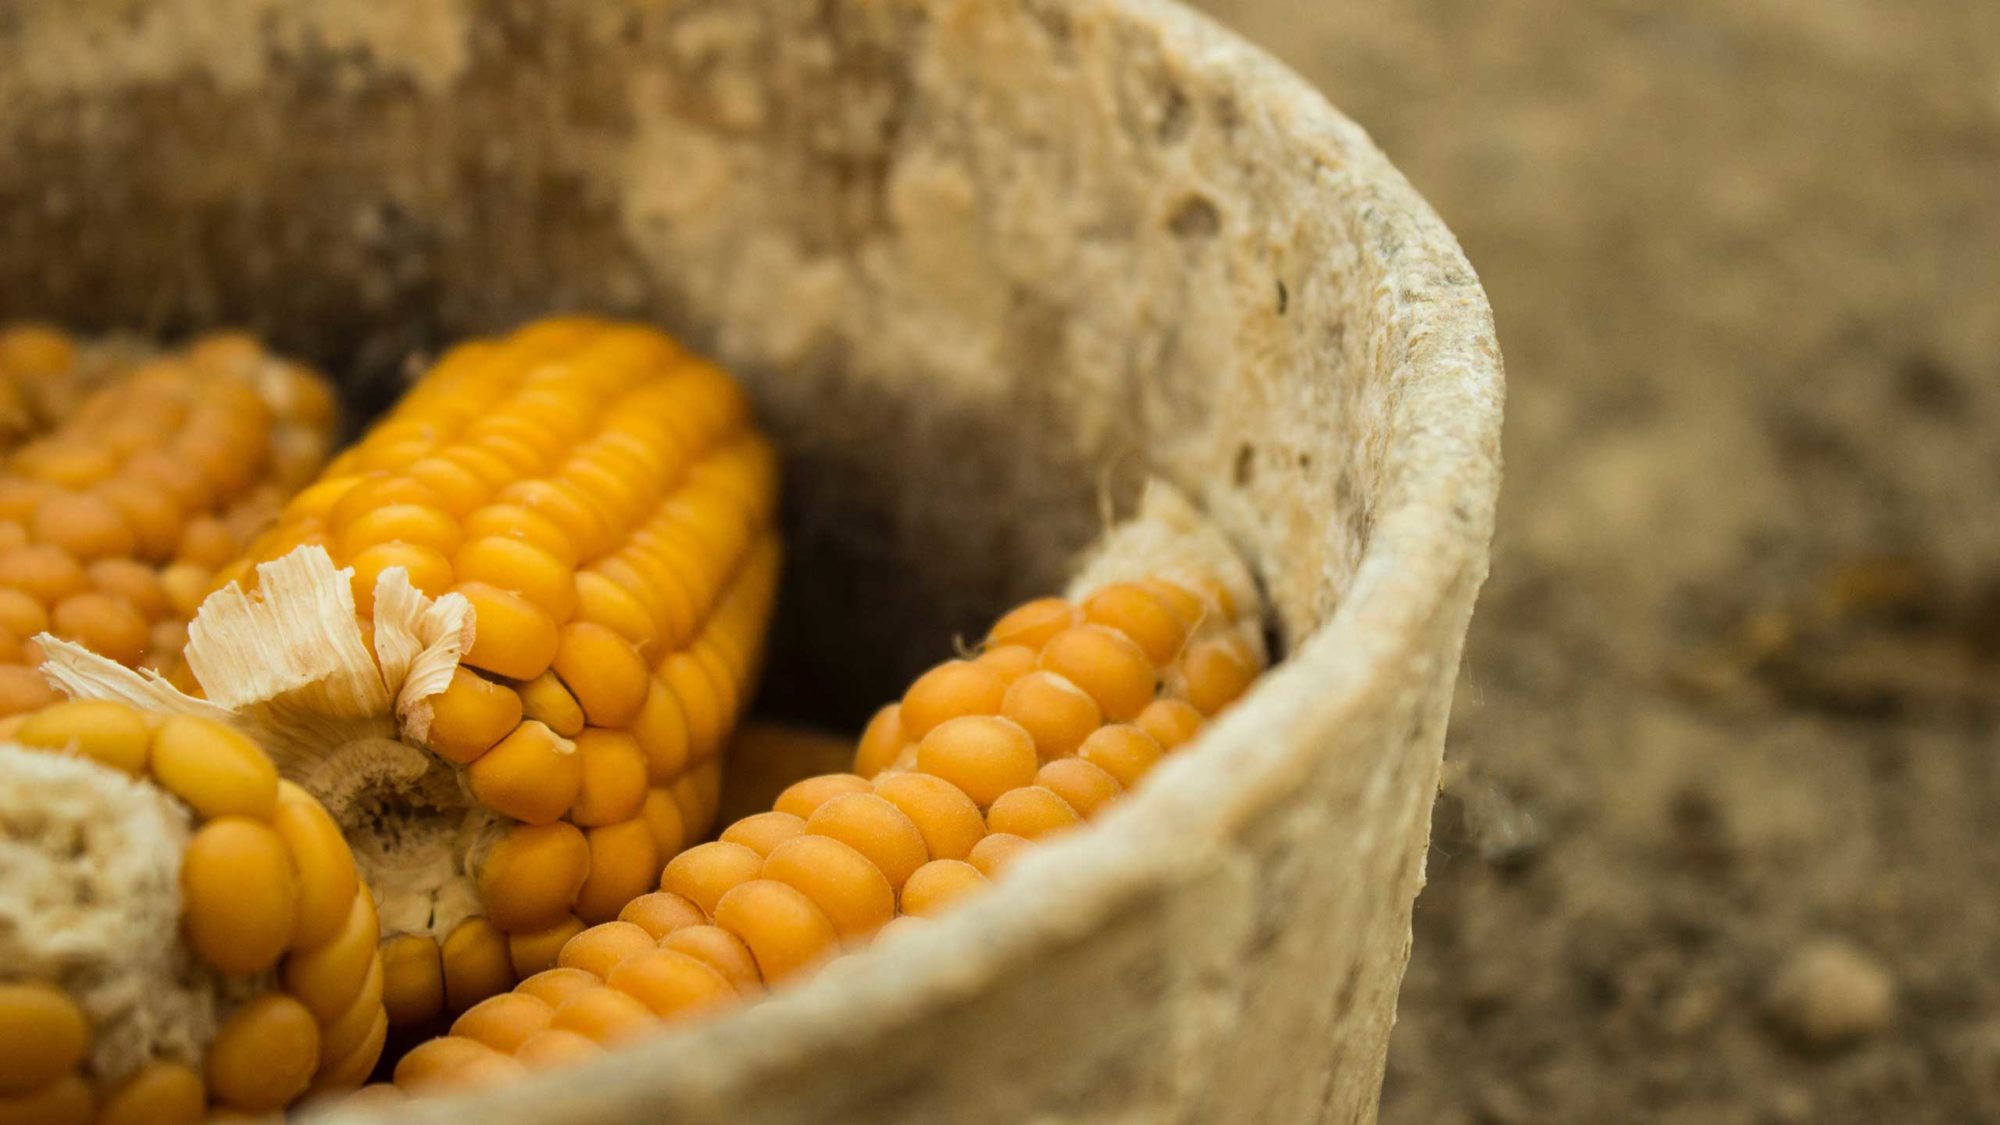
{"points": [[986, 265]]}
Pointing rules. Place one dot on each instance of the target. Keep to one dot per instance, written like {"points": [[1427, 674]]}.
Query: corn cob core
{"points": [[600, 501], [129, 478], [1068, 704], [179, 929]]}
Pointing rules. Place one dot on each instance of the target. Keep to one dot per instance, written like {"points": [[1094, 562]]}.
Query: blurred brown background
{"points": [[1720, 839]]}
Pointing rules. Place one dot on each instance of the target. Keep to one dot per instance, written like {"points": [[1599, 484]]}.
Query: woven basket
{"points": [[988, 264]]}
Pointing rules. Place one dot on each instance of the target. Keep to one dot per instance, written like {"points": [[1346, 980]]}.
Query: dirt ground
{"points": [[1721, 836]]}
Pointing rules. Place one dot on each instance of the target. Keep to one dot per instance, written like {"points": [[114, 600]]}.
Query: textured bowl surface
{"points": [[988, 265]]}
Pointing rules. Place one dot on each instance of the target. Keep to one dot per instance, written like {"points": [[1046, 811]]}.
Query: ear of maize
{"points": [[129, 477], [556, 560], [180, 930], [1067, 707]]}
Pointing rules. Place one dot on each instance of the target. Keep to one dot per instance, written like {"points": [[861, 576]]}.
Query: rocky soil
{"points": [[1721, 836]]}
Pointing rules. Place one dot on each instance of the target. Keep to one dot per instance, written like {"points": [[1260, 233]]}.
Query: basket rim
{"points": [[1424, 556]]}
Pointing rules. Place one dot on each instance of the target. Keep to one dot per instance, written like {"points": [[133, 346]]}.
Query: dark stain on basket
{"points": [[1194, 218]]}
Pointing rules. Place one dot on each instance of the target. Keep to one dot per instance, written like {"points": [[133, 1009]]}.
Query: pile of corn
{"points": [[129, 479], [601, 501], [466, 694], [1065, 709]]}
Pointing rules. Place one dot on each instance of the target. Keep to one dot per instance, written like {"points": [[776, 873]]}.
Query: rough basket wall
{"points": [[989, 264]]}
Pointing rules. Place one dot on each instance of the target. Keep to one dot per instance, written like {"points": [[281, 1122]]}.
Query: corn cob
{"points": [[1069, 703], [571, 530], [180, 930], [132, 478]]}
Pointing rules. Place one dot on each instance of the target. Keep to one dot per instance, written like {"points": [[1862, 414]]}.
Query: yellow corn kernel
{"points": [[23, 689], [1056, 713], [603, 671], [535, 950], [206, 541], [216, 770], [555, 1047], [523, 568], [938, 884], [104, 624], [720, 950], [264, 1056], [603, 1015], [696, 691], [881, 742], [512, 521], [424, 1065], [240, 895], [43, 1035], [45, 573], [949, 691], [1124, 752], [1031, 812], [804, 797], [565, 506], [348, 1032], [186, 585], [532, 875], [554, 986], [1032, 624], [876, 829], [600, 948], [512, 636], [662, 732], [846, 886], [470, 716], [327, 978], [997, 852], [614, 776], [664, 819], [1133, 610], [1109, 666], [505, 1021], [763, 831], [412, 979], [158, 1093], [660, 913], [984, 756], [21, 613], [418, 524], [65, 1101], [545, 700], [476, 964], [135, 583], [1082, 784], [428, 569], [353, 1069], [327, 881], [1010, 662], [946, 818], [1214, 673], [532, 775], [110, 733], [670, 983], [604, 602], [623, 865], [1171, 722], [83, 524], [783, 929], [458, 489], [704, 873]]}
